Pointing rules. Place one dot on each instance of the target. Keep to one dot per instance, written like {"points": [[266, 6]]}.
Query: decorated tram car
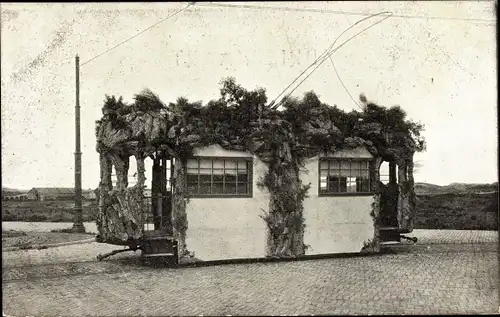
{"points": [[274, 191]]}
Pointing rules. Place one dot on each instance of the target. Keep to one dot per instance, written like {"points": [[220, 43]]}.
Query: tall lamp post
{"points": [[78, 210]]}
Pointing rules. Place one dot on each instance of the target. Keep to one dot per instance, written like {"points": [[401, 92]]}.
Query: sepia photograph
{"points": [[249, 158]]}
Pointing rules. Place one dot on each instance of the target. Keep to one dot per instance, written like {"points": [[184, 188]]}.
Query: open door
{"points": [[161, 194], [158, 235], [389, 227]]}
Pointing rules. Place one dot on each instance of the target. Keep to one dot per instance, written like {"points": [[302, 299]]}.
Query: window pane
{"points": [[217, 188], [344, 172], [230, 188], [322, 185], [366, 185], [192, 163], [359, 169], [230, 178], [192, 171], [217, 171], [333, 187], [206, 171], [192, 188], [192, 178], [364, 173], [363, 185], [322, 180], [242, 177], [242, 165], [231, 164], [218, 163], [205, 188], [205, 163], [355, 173], [334, 172], [334, 164], [336, 184], [351, 185], [218, 178], [231, 171], [242, 188], [205, 178], [355, 165], [333, 179], [323, 164]]}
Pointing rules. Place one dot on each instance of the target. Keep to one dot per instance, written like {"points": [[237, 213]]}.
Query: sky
{"points": [[442, 72]]}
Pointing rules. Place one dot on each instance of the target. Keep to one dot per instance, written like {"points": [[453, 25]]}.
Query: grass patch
{"points": [[46, 211], [460, 211], [13, 234]]}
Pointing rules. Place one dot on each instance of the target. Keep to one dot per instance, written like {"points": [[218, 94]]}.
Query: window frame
{"points": [[248, 160], [322, 193]]}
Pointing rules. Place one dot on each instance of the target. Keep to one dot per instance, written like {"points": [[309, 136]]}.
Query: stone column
{"points": [[404, 211]]}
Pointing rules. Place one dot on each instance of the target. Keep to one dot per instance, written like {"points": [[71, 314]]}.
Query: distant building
{"points": [[51, 193], [16, 197], [58, 193]]}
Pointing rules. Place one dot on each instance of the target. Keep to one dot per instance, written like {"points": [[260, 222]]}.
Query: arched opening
{"points": [[131, 174], [385, 173], [159, 190], [389, 194]]}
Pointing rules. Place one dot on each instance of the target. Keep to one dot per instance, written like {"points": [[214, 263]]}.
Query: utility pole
{"points": [[78, 210]]}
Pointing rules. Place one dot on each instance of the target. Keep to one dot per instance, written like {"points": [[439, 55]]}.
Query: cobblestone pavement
{"points": [[446, 272], [454, 236]]}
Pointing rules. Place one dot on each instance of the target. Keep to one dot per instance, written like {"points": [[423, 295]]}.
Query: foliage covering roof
{"points": [[241, 120]]}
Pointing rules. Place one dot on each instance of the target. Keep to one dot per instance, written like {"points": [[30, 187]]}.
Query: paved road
{"points": [[447, 272]]}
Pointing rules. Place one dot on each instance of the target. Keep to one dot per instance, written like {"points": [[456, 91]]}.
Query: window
{"points": [[344, 176], [217, 177]]}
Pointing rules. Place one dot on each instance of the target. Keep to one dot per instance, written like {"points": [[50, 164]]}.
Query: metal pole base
{"points": [[78, 228], [413, 239], [101, 257]]}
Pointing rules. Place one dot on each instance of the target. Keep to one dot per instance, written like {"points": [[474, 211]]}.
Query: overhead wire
{"points": [[342, 83], [330, 51], [323, 55], [136, 35], [340, 79], [404, 16], [333, 51]]}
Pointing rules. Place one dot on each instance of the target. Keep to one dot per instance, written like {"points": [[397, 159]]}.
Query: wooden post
{"points": [[155, 191], [78, 210], [164, 200], [392, 172]]}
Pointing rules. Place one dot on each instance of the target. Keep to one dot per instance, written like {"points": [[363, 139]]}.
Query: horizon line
{"points": [[449, 184]]}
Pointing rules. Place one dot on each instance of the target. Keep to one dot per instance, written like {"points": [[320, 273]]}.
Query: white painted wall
{"points": [[338, 224], [228, 228]]}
